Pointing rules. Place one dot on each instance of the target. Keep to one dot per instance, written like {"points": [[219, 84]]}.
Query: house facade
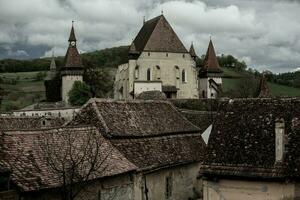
{"points": [[253, 151], [157, 56], [165, 147]]}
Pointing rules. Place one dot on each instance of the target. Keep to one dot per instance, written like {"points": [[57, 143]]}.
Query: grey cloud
{"points": [[264, 33]]}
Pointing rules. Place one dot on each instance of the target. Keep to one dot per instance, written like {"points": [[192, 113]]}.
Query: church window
{"points": [[177, 72], [183, 76], [148, 74], [148, 53], [158, 72], [169, 188], [183, 55], [167, 54], [136, 72]]}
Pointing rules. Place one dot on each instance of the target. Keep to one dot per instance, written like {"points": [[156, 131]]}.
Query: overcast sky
{"points": [[263, 33]]}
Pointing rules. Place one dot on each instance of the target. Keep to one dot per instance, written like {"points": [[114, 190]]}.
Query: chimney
{"points": [[279, 140]]}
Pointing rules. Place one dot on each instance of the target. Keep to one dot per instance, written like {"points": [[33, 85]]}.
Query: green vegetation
{"points": [[79, 94], [20, 90]]}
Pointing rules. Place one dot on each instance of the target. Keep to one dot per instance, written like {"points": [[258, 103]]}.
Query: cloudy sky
{"points": [[264, 33]]}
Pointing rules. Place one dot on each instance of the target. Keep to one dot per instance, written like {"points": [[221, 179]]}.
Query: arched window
{"points": [[177, 72], [148, 74], [158, 73], [183, 76], [136, 72]]}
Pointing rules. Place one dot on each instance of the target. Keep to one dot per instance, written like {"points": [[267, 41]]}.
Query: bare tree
{"points": [[75, 157]]}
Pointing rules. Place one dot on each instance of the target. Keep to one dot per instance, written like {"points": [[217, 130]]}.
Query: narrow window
{"points": [[168, 187], [136, 72], [158, 73], [148, 74], [183, 55], [167, 55], [177, 72], [183, 76], [148, 53]]}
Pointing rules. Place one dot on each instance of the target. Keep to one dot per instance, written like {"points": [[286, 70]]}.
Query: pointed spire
{"points": [[53, 64], [192, 51], [211, 64], [264, 91], [72, 34]]}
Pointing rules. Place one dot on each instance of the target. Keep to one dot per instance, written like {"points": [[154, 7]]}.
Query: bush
{"points": [[79, 94]]}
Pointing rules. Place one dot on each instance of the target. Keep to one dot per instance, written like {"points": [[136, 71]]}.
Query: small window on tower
{"points": [[148, 74]]}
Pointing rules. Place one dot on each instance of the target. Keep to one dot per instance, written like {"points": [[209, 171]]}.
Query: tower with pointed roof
{"points": [[210, 74], [73, 68], [158, 60]]}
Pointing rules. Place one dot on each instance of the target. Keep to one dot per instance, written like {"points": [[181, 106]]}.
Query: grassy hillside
{"points": [[24, 90], [232, 78]]}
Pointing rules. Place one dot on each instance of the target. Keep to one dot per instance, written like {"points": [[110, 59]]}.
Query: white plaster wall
{"points": [[140, 87], [247, 190], [67, 84], [68, 113], [204, 85], [188, 89], [184, 185]]}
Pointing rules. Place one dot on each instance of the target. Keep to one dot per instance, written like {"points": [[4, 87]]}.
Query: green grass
{"points": [[281, 90], [229, 84], [24, 92]]}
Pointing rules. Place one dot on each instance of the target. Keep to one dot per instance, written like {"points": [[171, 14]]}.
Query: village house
{"points": [[165, 147], [158, 60], [27, 174], [253, 151]]}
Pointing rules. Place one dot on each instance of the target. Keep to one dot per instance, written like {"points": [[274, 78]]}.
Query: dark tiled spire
{"points": [[72, 58], [192, 51], [211, 64], [72, 34]]}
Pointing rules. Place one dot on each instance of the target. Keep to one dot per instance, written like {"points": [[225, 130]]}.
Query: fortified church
{"points": [[153, 149]]}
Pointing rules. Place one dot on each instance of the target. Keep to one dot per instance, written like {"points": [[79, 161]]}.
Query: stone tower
{"points": [[73, 69], [210, 75]]}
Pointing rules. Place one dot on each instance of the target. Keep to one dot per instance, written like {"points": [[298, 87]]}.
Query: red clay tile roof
{"points": [[28, 123], [72, 58], [134, 118], [211, 64], [150, 153], [243, 136], [22, 150], [157, 35]]}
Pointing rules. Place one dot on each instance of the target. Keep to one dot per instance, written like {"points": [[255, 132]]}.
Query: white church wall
{"points": [[67, 84]]}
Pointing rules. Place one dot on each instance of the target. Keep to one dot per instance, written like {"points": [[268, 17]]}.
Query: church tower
{"points": [[73, 69], [210, 75]]}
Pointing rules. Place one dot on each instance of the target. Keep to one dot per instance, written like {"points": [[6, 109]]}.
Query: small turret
{"points": [[192, 52]]}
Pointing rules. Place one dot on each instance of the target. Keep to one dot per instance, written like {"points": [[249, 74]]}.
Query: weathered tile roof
{"points": [[72, 58], [28, 123], [134, 118], [157, 35], [202, 119], [157, 152], [22, 150], [211, 64], [242, 142]]}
